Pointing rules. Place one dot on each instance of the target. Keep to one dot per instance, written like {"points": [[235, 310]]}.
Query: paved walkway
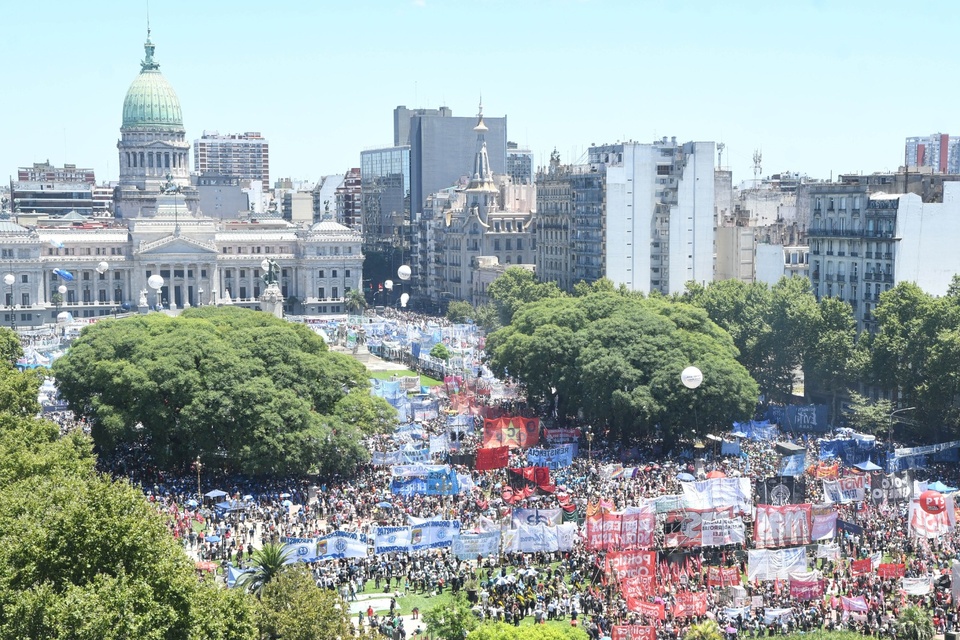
{"points": [[380, 603]]}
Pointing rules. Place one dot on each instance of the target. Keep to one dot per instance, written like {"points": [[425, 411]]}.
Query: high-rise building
{"points": [[56, 191], [939, 151], [519, 164], [239, 155], [154, 153], [349, 200], [641, 215], [401, 121], [385, 193]]}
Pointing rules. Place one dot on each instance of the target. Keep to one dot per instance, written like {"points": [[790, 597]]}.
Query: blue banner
{"points": [[812, 417], [793, 465], [436, 482], [755, 430]]}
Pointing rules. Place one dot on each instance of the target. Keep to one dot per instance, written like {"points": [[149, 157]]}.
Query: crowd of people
{"points": [[572, 585]]}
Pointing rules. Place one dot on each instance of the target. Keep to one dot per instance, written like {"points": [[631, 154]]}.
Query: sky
{"points": [[819, 87]]}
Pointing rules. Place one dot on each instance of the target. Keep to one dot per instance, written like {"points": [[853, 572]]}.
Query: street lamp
{"points": [[198, 465], [200, 297], [590, 443], [8, 280], [155, 282]]}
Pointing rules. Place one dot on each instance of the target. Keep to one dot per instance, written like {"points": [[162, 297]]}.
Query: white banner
{"points": [[416, 470], [845, 490], [435, 534], [529, 539], [439, 444], [917, 586], [824, 523], [391, 540], [342, 544], [530, 517], [718, 492], [764, 564], [955, 583], [300, 549], [722, 531], [467, 546], [829, 551], [930, 525]]}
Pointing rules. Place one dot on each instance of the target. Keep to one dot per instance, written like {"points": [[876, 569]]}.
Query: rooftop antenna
{"points": [[720, 147], [148, 19], [757, 158]]}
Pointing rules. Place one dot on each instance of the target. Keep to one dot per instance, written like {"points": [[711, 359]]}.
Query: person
{"points": [[370, 612], [416, 613]]}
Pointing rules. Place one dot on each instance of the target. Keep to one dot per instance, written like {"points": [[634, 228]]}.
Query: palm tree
{"points": [[914, 624], [267, 563], [355, 302], [707, 630]]}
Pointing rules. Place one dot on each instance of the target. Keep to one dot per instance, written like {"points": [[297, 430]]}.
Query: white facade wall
{"points": [[630, 209], [929, 236], [692, 221], [769, 263]]}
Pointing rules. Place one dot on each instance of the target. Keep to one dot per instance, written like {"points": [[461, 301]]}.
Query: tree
{"points": [[867, 416], [10, 348], [831, 361], [618, 356], [267, 564], [707, 630], [459, 311], [452, 621], [914, 623], [254, 393], [292, 607], [440, 351], [355, 302], [85, 557], [516, 287], [487, 316]]}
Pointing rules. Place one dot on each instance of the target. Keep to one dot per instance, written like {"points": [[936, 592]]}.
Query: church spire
{"points": [[481, 162]]}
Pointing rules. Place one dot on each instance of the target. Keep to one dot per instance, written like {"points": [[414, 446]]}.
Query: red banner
{"points": [[604, 532], [638, 530], [513, 432], [653, 611], [633, 632], [786, 525], [689, 604], [494, 458], [631, 564], [636, 590], [890, 570], [723, 576], [807, 589], [860, 567]]}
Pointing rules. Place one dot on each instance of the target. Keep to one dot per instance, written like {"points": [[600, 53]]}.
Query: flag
{"points": [[492, 458]]}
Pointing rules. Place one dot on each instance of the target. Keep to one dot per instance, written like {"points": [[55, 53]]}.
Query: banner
{"points": [[554, 458], [827, 471], [384, 458], [638, 527], [917, 586], [632, 565], [424, 479], [785, 526], [468, 546], [793, 465], [300, 550], [527, 480], [824, 526], [687, 604], [666, 503], [723, 576], [929, 525], [537, 516], [439, 444], [780, 490], [493, 458], [561, 436], [861, 567], [730, 448], [515, 432], [636, 591], [765, 564], [849, 527], [858, 604], [891, 487], [891, 570], [684, 529], [633, 632], [436, 534], [845, 490], [604, 532], [720, 532], [955, 580], [807, 589], [342, 544], [652, 610], [717, 493], [391, 540], [530, 539]]}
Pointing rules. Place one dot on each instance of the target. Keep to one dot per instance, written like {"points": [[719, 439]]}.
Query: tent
{"points": [[942, 488], [868, 465], [216, 493]]}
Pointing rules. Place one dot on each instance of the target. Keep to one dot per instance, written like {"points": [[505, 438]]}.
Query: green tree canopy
{"points": [[84, 557], [241, 389], [502, 631], [293, 608], [453, 621], [440, 351], [516, 287], [459, 311], [618, 357], [914, 623]]}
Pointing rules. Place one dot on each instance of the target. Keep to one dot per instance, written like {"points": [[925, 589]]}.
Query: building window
{"points": [[243, 273], [336, 292], [322, 276], [24, 278], [25, 299], [346, 273], [334, 274], [243, 292], [321, 293]]}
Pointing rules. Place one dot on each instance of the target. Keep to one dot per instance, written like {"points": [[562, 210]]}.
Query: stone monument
{"points": [[271, 300]]}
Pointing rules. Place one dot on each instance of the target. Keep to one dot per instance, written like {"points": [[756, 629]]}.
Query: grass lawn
{"points": [[425, 381]]}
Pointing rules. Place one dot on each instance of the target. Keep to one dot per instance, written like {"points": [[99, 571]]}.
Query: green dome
{"points": [[151, 101]]}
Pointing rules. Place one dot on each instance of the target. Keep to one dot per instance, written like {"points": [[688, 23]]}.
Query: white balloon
{"points": [[102, 267], [691, 377], [388, 285], [155, 281], [404, 298], [404, 272]]}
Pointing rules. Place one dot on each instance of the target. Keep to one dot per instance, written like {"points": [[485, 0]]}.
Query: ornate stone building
{"points": [[104, 267]]}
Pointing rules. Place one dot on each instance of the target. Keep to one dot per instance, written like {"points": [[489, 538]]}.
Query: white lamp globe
{"points": [[62, 289], [155, 282], [388, 285], [265, 265], [102, 267], [691, 377], [9, 279], [404, 272]]}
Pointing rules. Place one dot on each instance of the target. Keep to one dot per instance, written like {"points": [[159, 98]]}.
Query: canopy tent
{"points": [[868, 465], [789, 449], [942, 488], [216, 493]]}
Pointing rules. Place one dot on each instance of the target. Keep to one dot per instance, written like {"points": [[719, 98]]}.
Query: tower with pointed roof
{"points": [[153, 150], [481, 191]]}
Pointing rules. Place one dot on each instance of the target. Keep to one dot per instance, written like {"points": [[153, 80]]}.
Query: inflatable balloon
{"points": [[932, 502], [404, 298], [388, 285], [404, 272]]}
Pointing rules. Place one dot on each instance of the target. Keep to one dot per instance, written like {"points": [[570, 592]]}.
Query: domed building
{"points": [[153, 148]]}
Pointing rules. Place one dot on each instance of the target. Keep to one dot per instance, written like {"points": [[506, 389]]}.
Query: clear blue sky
{"points": [[820, 86]]}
